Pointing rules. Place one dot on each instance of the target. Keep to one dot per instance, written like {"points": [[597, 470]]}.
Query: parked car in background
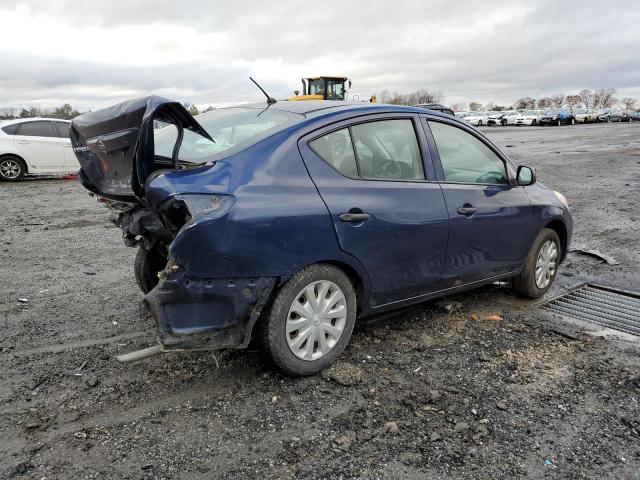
{"points": [[625, 116], [321, 212], [503, 118], [477, 119], [557, 117], [438, 107], [35, 146], [586, 115], [609, 115], [635, 116], [530, 117]]}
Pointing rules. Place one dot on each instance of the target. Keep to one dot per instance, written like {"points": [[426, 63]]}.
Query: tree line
{"points": [[600, 98], [67, 112]]}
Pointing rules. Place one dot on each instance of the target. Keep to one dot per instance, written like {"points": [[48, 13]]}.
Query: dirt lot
{"points": [[471, 397]]}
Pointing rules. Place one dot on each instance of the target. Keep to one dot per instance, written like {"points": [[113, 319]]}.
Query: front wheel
{"points": [[310, 321], [541, 265], [12, 169]]}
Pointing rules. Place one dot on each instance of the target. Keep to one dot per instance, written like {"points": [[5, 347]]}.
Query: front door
{"points": [[40, 146], [371, 176], [490, 215]]}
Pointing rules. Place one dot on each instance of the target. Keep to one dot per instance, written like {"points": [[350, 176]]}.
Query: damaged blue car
{"points": [[289, 220]]}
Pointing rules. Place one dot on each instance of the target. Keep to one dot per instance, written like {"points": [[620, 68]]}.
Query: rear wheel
{"points": [[533, 123], [541, 265], [12, 168], [146, 267], [479, 123], [310, 321]]}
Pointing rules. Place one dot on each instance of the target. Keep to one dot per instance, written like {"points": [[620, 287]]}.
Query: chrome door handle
{"points": [[467, 210], [354, 217], [24, 142]]}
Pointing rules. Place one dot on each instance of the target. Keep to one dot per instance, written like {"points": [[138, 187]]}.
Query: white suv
{"points": [[35, 146]]}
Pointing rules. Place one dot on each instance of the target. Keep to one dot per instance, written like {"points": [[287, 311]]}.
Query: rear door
{"points": [[70, 160], [376, 178], [490, 215], [39, 144]]}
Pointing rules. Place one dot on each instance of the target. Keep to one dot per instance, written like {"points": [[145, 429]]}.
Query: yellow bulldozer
{"points": [[324, 88]]}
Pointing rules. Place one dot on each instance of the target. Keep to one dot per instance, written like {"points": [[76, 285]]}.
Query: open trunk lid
{"points": [[115, 145]]}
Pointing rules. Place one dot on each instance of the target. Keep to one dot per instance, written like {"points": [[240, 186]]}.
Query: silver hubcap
{"points": [[10, 169], [316, 320], [546, 264]]}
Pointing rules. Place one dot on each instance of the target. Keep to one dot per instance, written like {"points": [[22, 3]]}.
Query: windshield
{"points": [[530, 112], [335, 90], [316, 87], [229, 128], [582, 110]]}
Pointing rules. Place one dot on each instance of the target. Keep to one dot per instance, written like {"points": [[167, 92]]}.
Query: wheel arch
{"points": [[561, 230]]}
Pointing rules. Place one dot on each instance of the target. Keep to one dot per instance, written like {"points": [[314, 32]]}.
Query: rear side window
{"points": [[388, 150], [380, 150], [464, 158], [337, 150], [11, 129], [36, 129], [62, 129]]}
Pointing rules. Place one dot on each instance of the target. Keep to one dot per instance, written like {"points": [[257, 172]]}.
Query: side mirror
{"points": [[525, 176]]}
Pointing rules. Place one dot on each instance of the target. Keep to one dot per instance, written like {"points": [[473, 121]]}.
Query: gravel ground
{"points": [[493, 388]]}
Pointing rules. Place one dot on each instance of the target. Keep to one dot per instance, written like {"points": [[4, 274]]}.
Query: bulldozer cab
{"points": [[331, 88], [323, 88]]}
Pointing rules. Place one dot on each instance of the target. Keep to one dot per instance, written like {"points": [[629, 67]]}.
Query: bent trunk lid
{"points": [[115, 145]]}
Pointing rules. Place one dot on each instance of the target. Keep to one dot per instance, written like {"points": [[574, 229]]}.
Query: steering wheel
{"points": [[387, 169]]}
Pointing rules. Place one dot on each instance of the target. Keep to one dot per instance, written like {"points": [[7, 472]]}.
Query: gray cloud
{"points": [[472, 50]]}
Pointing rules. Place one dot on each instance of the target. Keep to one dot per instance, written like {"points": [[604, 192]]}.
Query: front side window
{"points": [[464, 158], [380, 150], [335, 90], [37, 129], [316, 86]]}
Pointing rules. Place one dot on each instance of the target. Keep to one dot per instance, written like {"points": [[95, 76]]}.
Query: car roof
{"points": [[311, 108], [31, 119]]}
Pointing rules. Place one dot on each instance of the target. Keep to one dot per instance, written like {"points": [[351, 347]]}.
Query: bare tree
{"points": [[586, 96], [545, 102], [603, 97], [459, 107], [475, 106], [574, 100], [425, 96], [629, 103], [557, 100], [525, 103]]}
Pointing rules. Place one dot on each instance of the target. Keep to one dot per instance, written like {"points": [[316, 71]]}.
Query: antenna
{"points": [[270, 100]]}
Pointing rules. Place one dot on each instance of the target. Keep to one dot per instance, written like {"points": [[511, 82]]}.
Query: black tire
{"points": [[558, 122], [525, 283], [146, 267], [12, 168], [479, 123], [504, 123], [534, 123], [272, 326]]}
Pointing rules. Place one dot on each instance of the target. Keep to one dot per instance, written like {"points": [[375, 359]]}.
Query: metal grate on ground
{"points": [[608, 307]]}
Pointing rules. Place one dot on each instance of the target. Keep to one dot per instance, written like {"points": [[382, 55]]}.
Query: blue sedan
{"points": [[291, 220]]}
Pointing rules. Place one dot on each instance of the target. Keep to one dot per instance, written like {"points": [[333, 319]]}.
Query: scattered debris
{"points": [[391, 427], [23, 300], [435, 436], [594, 252], [502, 406], [449, 306], [344, 442], [274, 400], [494, 318], [343, 373]]}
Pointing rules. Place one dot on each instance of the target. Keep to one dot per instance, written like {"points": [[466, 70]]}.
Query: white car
{"points": [[530, 117], [503, 118], [586, 115], [477, 119], [35, 146]]}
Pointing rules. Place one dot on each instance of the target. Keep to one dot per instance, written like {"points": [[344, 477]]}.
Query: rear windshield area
{"points": [[229, 128]]}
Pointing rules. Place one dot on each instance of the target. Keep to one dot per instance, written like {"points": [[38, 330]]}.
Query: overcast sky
{"points": [[95, 53]]}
